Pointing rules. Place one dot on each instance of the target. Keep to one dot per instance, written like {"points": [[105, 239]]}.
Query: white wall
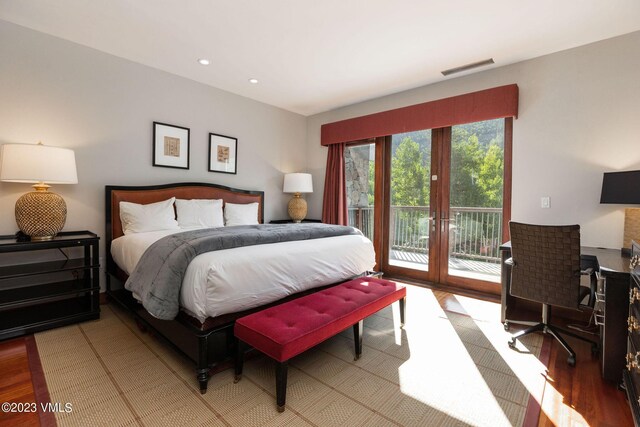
{"points": [[101, 106], [579, 117]]}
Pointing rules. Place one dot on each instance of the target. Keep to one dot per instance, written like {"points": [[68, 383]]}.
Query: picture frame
{"points": [[223, 154], [170, 146]]}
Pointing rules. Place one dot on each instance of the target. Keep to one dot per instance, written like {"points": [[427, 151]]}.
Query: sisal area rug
{"points": [[443, 369]]}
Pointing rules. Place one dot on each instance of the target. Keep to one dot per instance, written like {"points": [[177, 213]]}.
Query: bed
{"points": [[203, 328]]}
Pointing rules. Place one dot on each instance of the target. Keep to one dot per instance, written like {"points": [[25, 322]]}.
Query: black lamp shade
{"points": [[621, 188]]}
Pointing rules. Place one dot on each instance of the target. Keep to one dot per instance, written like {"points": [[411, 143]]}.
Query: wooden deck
{"points": [[481, 270]]}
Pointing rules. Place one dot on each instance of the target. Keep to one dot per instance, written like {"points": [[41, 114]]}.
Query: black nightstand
{"points": [[45, 295], [290, 221]]}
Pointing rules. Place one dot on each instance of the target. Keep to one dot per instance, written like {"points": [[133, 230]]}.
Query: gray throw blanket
{"points": [[158, 276]]}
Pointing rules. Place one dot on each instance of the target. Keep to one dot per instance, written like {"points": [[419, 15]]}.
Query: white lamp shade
{"points": [[37, 163], [298, 183]]}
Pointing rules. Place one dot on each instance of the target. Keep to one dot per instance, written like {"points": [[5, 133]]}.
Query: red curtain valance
{"points": [[472, 107]]}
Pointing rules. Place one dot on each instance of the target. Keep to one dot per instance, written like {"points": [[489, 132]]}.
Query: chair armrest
{"points": [[587, 272], [592, 284]]}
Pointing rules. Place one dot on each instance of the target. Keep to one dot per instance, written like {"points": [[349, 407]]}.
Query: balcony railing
{"points": [[474, 233]]}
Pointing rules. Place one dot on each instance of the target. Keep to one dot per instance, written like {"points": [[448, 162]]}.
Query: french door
{"points": [[439, 201]]}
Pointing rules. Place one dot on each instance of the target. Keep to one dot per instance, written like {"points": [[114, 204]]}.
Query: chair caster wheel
{"points": [[571, 360], [594, 349], [512, 343], [506, 326]]}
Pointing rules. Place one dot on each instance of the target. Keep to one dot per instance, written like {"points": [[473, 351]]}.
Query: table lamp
{"points": [[624, 188], [297, 183], [40, 214]]}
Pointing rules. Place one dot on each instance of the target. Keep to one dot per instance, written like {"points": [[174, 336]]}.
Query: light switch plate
{"points": [[545, 202]]}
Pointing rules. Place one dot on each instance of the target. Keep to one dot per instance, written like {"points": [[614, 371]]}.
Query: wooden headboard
{"points": [[156, 193]]}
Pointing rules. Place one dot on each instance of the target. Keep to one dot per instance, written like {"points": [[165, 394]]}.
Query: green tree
{"points": [[409, 175], [372, 181], [466, 159], [490, 176]]}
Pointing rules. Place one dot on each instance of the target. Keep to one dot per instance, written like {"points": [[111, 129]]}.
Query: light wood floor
{"points": [[573, 396]]}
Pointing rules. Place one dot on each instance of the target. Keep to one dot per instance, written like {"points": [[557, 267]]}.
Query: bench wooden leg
{"points": [[403, 309], [358, 330], [239, 362], [281, 384]]}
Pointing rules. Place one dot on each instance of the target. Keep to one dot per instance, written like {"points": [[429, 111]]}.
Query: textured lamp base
{"points": [[297, 208], [631, 226], [41, 214]]}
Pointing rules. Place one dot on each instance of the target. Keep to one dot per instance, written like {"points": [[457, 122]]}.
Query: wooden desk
{"points": [[615, 270]]}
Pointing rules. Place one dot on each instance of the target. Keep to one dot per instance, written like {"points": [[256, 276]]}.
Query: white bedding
{"points": [[232, 280]]}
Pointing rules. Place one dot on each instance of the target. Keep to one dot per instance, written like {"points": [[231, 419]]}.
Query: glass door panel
{"points": [[409, 217], [359, 164], [474, 215]]}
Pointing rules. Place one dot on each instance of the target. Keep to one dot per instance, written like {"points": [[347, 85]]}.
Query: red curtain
{"points": [[494, 103], [334, 204]]}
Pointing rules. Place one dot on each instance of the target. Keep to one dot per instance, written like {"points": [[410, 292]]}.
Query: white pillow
{"points": [[199, 213], [138, 218], [235, 214]]}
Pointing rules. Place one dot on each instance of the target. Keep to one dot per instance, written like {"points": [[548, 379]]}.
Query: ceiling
{"points": [[312, 56]]}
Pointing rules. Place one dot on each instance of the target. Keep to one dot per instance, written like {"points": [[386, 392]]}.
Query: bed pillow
{"points": [[199, 213], [236, 214], [136, 218]]}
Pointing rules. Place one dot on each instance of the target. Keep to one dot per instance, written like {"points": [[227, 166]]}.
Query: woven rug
{"points": [[443, 369]]}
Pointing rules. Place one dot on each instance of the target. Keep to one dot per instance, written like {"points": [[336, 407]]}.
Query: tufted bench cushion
{"points": [[288, 329]]}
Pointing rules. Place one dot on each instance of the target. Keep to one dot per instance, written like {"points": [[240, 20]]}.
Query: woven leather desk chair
{"points": [[546, 268]]}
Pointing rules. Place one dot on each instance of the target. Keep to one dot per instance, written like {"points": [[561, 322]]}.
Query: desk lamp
{"points": [[297, 183], [624, 188], [40, 214]]}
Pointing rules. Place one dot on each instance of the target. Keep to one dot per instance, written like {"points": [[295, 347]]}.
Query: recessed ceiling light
{"points": [[203, 61], [253, 81]]}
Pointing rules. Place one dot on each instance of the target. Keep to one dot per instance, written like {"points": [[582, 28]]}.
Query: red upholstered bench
{"points": [[288, 329]]}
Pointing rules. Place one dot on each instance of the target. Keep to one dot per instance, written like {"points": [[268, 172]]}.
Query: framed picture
{"points": [[170, 146], [223, 153]]}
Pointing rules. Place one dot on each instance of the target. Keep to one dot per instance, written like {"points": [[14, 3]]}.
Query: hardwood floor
{"points": [[578, 396], [15, 383], [572, 396]]}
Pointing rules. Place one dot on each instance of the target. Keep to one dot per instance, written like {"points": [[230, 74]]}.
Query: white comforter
{"points": [[232, 280]]}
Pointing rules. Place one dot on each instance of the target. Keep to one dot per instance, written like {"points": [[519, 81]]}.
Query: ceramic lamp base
{"points": [[41, 214], [297, 208]]}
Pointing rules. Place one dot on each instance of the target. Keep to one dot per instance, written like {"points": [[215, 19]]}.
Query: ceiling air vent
{"points": [[467, 67]]}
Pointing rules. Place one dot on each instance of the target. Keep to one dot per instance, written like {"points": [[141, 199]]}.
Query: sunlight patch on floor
{"points": [[442, 373], [560, 414], [486, 315], [478, 309]]}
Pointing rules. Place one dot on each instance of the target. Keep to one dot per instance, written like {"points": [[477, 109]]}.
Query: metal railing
{"points": [[474, 233], [362, 219]]}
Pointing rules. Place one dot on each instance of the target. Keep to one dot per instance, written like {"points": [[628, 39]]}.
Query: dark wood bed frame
{"points": [[206, 343]]}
